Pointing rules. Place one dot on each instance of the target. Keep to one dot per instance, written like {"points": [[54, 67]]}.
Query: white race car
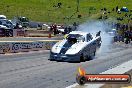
{"points": [[77, 46]]}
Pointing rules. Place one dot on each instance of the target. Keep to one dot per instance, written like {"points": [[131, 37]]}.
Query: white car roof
{"points": [[79, 32]]}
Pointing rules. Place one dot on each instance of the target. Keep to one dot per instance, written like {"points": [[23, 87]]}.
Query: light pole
{"points": [[78, 5]]}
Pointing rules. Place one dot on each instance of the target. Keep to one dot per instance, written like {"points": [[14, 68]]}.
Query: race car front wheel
{"points": [[82, 58]]}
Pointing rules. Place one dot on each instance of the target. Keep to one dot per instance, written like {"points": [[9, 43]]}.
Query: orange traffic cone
{"points": [[49, 36]]}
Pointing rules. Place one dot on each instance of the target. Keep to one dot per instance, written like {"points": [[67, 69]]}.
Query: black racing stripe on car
{"points": [[65, 47]]}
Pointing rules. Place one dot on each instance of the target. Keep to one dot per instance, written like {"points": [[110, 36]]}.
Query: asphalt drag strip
{"points": [[34, 70]]}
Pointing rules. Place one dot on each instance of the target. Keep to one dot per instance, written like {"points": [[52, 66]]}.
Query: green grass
{"points": [[43, 10]]}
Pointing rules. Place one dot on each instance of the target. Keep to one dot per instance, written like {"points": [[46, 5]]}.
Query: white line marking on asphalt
{"points": [[121, 69], [32, 41]]}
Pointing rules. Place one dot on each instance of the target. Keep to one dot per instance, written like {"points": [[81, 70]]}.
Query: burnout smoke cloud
{"points": [[93, 27]]}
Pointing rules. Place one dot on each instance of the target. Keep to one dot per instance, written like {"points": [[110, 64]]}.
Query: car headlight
{"points": [[54, 49]]}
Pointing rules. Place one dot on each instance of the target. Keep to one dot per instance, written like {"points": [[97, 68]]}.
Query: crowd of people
{"points": [[124, 30], [66, 28], [124, 33]]}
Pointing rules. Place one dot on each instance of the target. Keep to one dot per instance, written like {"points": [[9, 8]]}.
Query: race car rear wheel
{"points": [[83, 58], [94, 53], [91, 57]]}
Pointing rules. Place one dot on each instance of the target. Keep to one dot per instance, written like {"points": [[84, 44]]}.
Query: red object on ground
{"points": [[49, 36]]}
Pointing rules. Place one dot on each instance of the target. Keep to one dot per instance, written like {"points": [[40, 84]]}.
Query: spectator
{"points": [[66, 31], [123, 26], [55, 29], [115, 38], [126, 27], [105, 9], [75, 25], [113, 9], [59, 5], [101, 9], [51, 27], [69, 29], [130, 15], [128, 37], [116, 8], [118, 26], [126, 15]]}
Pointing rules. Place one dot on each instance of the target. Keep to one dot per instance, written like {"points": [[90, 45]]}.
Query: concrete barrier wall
{"points": [[14, 47], [18, 32]]}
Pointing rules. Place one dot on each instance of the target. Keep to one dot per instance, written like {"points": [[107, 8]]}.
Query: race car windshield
{"points": [[73, 38]]}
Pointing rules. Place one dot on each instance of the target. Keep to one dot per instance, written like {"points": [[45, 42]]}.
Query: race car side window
{"points": [[81, 39], [75, 37]]}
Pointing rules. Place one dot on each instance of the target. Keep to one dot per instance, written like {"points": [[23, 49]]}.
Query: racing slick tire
{"points": [[91, 57], [94, 53], [83, 58]]}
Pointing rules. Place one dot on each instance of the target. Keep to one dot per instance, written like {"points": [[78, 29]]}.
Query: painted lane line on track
{"points": [[121, 69], [22, 53], [31, 41]]}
